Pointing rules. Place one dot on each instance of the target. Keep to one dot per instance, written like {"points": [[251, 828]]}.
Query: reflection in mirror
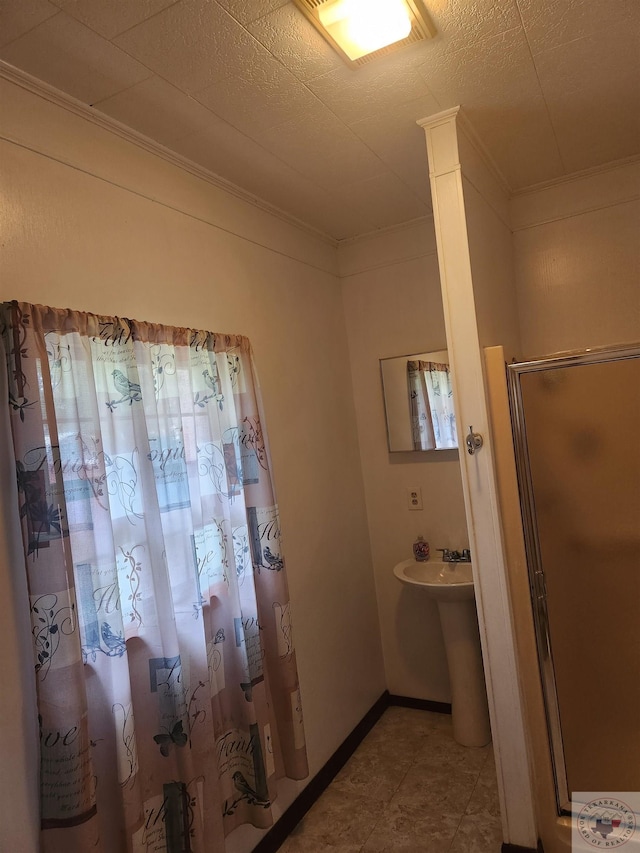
{"points": [[418, 402], [433, 422]]}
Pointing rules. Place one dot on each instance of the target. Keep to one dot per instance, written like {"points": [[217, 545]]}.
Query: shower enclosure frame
{"points": [[535, 570]]}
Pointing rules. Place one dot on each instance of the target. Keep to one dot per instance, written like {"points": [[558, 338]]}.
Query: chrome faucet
{"points": [[449, 556]]}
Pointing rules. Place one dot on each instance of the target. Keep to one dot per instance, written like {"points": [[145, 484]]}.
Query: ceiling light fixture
{"points": [[361, 30]]}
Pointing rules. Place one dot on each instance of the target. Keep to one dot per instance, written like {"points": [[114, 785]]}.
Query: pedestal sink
{"points": [[451, 586]]}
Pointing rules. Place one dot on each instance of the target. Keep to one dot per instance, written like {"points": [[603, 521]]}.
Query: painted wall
{"points": [[393, 306], [577, 262], [91, 221], [490, 251]]}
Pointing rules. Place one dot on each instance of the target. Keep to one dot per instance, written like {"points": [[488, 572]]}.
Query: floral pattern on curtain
{"points": [[433, 421], [167, 688]]}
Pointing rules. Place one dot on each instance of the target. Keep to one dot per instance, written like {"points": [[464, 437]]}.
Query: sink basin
{"points": [[442, 581]]}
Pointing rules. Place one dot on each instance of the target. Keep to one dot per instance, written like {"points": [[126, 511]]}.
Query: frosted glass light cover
{"points": [[364, 26]]}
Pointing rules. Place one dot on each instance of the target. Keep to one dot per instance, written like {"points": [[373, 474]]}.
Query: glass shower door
{"points": [[576, 426]]}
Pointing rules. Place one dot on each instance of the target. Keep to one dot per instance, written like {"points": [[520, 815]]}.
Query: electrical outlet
{"points": [[414, 498]]}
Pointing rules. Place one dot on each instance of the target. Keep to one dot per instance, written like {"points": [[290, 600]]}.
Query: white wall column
{"points": [[478, 478]]}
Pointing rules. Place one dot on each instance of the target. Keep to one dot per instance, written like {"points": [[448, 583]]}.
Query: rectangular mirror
{"points": [[418, 402]]}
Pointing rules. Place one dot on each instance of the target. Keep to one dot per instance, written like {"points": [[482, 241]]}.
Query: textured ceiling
{"points": [[250, 91]]}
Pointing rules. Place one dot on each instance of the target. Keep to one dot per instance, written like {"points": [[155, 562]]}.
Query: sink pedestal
{"points": [[469, 709], [451, 586]]}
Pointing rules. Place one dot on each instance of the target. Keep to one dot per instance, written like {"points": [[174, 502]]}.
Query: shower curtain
{"points": [[168, 697]]}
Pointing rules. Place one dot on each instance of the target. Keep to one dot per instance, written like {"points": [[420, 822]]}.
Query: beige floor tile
{"points": [[439, 749], [382, 760], [436, 790], [478, 833], [339, 819], [373, 774], [406, 828], [485, 794], [409, 720], [307, 845], [408, 788]]}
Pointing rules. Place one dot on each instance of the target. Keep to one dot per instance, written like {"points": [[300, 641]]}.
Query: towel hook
{"points": [[474, 441]]}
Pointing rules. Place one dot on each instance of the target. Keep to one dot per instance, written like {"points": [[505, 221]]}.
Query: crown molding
{"points": [[388, 229], [438, 118], [577, 176], [91, 114]]}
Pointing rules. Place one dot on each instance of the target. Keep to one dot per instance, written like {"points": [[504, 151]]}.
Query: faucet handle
{"points": [[466, 555], [446, 554]]}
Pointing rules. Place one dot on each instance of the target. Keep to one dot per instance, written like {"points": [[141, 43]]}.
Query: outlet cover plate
{"points": [[414, 498]]}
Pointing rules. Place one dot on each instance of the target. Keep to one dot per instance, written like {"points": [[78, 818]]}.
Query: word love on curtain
{"points": [[167, 689]]}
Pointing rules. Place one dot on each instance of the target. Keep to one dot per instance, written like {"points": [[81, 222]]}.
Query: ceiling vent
{"points": [[332, 20]]}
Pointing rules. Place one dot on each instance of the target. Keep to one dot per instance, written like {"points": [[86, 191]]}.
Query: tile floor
{"points": [[408, 788]]}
